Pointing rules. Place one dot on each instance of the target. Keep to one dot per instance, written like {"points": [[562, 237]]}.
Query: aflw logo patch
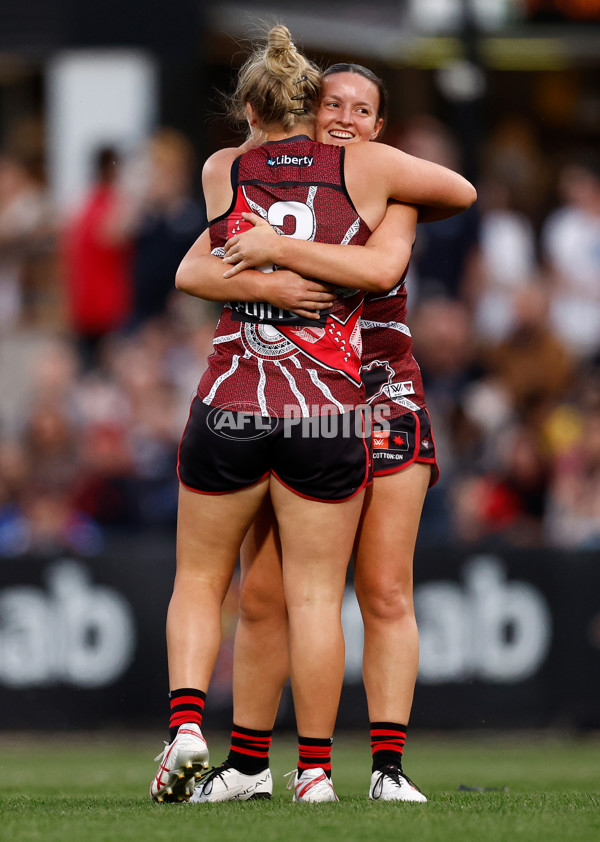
{"points": [[290, 161], [396, 390], [389, 440]]}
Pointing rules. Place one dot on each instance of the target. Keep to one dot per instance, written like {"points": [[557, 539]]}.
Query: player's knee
{"points": [[262, 606], [385, 602]]}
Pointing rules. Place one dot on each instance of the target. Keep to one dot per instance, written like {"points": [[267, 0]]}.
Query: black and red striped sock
{"points": [[187, 705], [387, 744], [249, 751], [314, 752]]}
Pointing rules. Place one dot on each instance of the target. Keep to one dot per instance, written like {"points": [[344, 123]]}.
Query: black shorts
{"points": [[409, 439], [325, 458]]}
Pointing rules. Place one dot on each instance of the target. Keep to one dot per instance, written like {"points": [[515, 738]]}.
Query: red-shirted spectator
{"points": [[97, 259]]}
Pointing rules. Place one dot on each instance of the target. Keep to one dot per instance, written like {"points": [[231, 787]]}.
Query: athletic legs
{"points": [[384, 586], [210, 530], [261, 659], [316, 541]]}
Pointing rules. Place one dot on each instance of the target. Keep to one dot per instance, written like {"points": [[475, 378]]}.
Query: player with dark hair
{"points": [[281, 366]]}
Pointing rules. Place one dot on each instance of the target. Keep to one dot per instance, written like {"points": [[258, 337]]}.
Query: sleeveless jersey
{"points": [[265, 358], [390, 372]]}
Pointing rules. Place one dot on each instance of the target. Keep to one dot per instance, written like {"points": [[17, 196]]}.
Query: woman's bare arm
{"points": [[375, 267], [201, 274], [437, 191]]}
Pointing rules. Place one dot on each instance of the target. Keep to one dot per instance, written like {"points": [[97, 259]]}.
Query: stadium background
{"points": [[507, 570]]}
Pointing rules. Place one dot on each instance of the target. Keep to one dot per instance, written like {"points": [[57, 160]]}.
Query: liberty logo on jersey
{"points": [[291, 161]]}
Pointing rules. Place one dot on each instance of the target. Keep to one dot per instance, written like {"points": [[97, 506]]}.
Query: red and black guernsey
{"points": [[267, 359], [389, 370]]}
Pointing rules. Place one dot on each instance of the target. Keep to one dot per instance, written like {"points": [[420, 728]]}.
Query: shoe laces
{"points": [[292, 779], [395, 773], [160, 757], [215, 772]]}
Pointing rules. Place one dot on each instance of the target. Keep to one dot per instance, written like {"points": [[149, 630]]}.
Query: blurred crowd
{"points": [[100, 356]]}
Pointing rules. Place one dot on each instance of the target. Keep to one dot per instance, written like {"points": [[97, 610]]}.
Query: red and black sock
{"points": [[387, 744], [314, 753], [249, 751], [187, 705]]}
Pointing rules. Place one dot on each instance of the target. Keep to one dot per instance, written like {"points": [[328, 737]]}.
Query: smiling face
{"points": [[348, 110]]}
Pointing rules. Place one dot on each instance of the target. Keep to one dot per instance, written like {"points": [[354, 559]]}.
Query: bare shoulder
{"points": [[220, 162], [365, 150], [216, 181]]}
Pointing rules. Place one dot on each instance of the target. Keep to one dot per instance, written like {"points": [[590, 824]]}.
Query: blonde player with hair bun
{"points": [[277, 81], [286, 371]]}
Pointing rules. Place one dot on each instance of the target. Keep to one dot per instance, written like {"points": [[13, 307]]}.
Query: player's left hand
{"points": [[253, 248]]}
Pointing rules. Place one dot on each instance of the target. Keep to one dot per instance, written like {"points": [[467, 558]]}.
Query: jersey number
{"points": [[304, 217]]}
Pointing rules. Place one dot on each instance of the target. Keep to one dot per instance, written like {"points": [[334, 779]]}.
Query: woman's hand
{"points": [[283, 288], [290, 291], [254, 248]]}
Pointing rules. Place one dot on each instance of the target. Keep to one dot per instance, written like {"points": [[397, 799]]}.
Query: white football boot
{"points": [[312, 786], [227, 784], [391, 784], [181, 764]]}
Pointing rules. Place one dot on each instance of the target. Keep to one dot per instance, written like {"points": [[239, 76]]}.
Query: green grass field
{"points": [[95, 789]]}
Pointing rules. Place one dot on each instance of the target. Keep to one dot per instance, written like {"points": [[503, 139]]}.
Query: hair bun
{"points": [[278, 81], [279, 40]]}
